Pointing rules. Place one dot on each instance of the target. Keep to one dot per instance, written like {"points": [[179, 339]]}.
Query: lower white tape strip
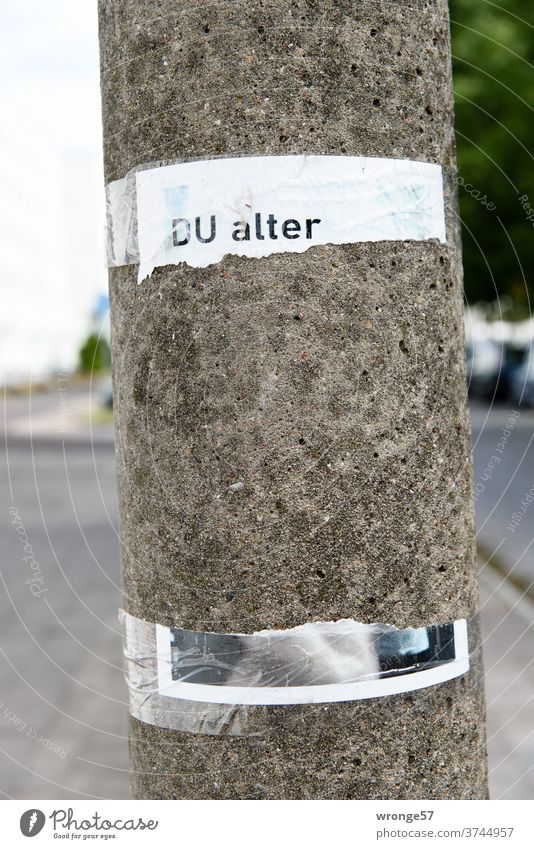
{"points": [[362, 662], [174, 675]]}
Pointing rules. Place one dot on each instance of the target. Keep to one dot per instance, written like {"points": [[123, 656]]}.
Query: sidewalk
{"points": [[508, 632]]}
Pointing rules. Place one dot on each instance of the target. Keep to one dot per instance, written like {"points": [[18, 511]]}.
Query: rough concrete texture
{"points": [[330, 383]]}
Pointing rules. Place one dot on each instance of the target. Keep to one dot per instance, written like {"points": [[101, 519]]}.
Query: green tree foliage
{"points": [[493, 63], [94, 355]]}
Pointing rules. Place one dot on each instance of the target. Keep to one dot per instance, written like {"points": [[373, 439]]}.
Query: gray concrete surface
{"points": [[329, 384]]}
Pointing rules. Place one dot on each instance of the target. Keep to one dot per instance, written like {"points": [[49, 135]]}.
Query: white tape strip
{"points": [[198, 212]]}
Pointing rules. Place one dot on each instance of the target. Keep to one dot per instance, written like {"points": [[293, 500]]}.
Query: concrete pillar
{"points": [[330, 384]]}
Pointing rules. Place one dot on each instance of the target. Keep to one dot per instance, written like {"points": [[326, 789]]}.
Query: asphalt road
{"points": [[63, 718], [503, 451], [62, 695]]}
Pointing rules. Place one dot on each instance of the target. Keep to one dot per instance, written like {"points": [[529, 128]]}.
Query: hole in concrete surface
{"points": [[403, 346]]}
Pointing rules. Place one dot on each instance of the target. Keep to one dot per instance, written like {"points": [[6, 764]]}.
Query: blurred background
{"points": [[62, 695]]}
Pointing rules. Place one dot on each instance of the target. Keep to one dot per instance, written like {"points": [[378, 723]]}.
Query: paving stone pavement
{"points": [[508, 634]]}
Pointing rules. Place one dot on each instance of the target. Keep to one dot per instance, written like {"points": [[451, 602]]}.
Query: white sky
{"points": [[49, 77], [51, 135]]}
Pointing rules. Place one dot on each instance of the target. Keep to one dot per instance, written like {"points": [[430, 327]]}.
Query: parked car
{"points": [[522, 383], [491, 367], [485, 361]]}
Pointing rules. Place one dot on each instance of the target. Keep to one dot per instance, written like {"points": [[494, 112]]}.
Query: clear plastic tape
{"points": [[122, 241], [209, 683], [200, 211]]}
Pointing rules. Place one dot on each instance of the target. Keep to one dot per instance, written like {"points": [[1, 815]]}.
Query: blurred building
{"points": [[52, 267], [479, 327]]}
